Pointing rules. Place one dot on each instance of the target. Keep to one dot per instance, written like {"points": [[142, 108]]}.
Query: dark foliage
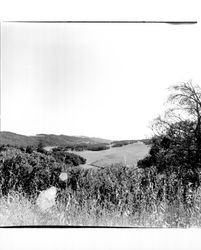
{"points": [[29, 149], [69, 159], [176, 150], [130, 190], [31, 171], [98, 147], [173, 151], [40, 148], [88, 146], [122, 143]]}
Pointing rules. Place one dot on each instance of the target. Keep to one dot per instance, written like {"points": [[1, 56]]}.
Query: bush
{"points": [[27, 172], [40, 148], [69, 159], [29, 149]]}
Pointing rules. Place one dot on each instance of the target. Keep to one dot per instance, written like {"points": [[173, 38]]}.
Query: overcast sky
{"points": [[103, 80]]}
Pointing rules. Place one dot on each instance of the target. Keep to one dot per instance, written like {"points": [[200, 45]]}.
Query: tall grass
{"points": [[16, 209]]}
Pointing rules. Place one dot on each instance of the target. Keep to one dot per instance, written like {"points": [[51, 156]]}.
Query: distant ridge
{"points": [[46, 139]]}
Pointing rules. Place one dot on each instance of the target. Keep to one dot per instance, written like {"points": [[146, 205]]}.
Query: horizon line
{"points": [[98, 137]]}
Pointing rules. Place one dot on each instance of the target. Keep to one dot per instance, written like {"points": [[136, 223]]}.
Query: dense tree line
{"points": [[87, 146], [122, 143], [127, 142]]}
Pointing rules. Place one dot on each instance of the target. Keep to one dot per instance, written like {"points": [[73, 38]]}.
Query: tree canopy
{"points": [[176, 145]]}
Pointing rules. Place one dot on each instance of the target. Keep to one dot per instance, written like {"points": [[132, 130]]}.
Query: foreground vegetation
{"points": [[113, 196], [116, 196]]}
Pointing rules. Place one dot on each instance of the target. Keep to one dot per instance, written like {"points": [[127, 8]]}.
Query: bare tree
{"points": [[186, 98], [184, 104]]}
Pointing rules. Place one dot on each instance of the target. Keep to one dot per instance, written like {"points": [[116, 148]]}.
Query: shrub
{"points": [[69, 159], [29, 149], [32, 171]]}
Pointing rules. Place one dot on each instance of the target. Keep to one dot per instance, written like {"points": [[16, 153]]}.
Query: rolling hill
{"points": [[14, 139]]}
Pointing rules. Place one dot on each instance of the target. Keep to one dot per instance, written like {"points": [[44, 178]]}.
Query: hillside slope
{"points": [[46, 139]]}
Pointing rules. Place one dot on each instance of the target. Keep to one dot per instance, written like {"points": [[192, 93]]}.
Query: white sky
{"points": [[103, 80]]}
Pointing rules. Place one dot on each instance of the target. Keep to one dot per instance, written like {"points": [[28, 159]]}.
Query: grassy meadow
{"points": [[127, 155]]}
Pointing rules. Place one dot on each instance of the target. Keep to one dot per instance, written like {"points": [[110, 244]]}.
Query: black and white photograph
{"points": [[100, 124]]}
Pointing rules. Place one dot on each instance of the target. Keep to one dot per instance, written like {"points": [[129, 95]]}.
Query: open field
{"points": [[128, 155]]}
